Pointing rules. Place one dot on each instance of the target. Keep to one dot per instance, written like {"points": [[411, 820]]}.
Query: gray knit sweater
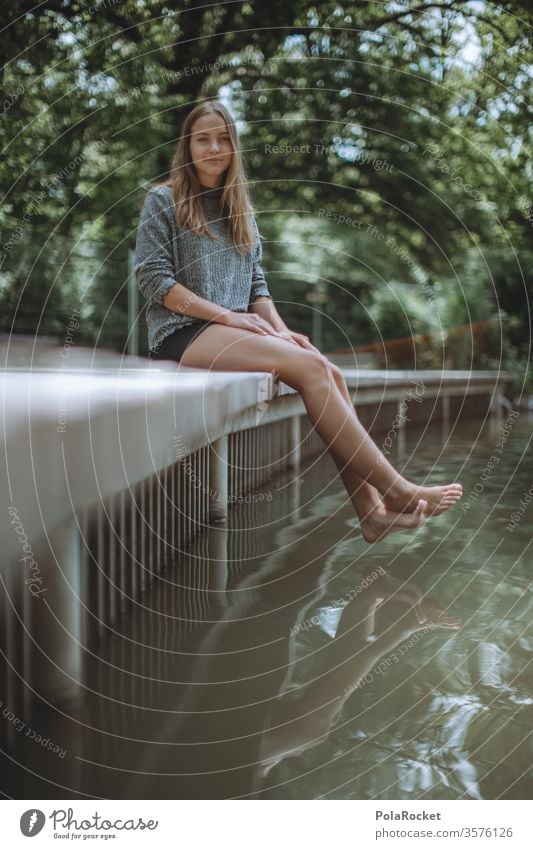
{"points": [[166, 254]]}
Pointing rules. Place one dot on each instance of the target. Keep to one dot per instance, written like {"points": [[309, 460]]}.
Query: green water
{"points": [[265, 666], [447, 714]]}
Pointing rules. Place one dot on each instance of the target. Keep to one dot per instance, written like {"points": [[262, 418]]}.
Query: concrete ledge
{"points": [[74, 438]]}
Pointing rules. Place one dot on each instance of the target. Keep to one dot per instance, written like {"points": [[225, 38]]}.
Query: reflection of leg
{"points": [[350, 661], [373, 590], [300, 725], [358, 617]]}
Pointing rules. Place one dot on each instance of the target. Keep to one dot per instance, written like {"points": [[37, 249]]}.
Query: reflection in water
{"points": [[284, 658], [360, 650]]}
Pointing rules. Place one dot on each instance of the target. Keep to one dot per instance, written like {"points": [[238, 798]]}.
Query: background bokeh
{"points": [[386, 145]]}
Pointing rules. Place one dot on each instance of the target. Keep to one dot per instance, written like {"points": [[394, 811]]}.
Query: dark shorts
{"points": [[174, 345]]}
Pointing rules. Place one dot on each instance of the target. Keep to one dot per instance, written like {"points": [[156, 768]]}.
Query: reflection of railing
{"points": [[113, 472]]}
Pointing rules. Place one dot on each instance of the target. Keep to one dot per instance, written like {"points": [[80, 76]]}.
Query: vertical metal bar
{"points": [[446, 411], [17, 646], [158, 522], [246, 464], [400, 418], [229, 470], [111, 565], [271, 449], [158, 529], [253, 452], [124, 543], [198, 493], [260, 454], [237, 490], [246, 461], [143, 535], [100, 561], [163, 519], [181, 505], [274, 449], [173, 512], [205, 487], [56, 626], [150, 529], [233, 464], [86, 573], [190, 499], [169, 515], [218, 478], [90, 577], [153, 525], [242, 462], [250, 460], [253, 455], [186, 500], [132, 567]]}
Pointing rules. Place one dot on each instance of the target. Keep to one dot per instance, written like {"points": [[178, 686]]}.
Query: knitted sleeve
{"points": [[259, 284]]}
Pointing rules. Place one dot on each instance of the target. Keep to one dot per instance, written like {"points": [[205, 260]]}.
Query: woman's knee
{"points": [[323, 366], [304, 367]]}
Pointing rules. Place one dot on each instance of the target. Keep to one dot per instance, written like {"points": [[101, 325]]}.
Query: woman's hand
{"points": [[254, 322], [248, 321], [298, 339]]}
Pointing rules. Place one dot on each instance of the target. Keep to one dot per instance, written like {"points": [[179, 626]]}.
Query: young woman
{"points": [[198, 263]]}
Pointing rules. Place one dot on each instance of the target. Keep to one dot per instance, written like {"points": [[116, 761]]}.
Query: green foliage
{"points": [[413, 124]]}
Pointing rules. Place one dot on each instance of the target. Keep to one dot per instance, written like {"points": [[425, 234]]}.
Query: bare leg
{"points": [[351, 445], [438, 617], [377, 521], [226, 348]]}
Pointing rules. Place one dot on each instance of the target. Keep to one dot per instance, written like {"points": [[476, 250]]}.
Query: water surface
{"points": [[284, 657]]}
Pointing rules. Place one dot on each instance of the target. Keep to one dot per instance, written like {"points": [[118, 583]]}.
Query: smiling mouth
{"points": [[214, 160]]}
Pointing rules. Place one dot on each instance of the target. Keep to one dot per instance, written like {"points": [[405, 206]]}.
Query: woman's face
{"points": [[211, 149]]}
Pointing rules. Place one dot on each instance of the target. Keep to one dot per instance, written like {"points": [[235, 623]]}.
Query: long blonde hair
{"points": [[186, 188]]}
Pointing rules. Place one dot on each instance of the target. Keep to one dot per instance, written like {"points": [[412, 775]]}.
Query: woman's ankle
{"points": [[400, 490]]}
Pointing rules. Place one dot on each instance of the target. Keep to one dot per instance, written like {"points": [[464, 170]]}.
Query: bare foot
{"points": [[381, 521], [406, 496]]}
